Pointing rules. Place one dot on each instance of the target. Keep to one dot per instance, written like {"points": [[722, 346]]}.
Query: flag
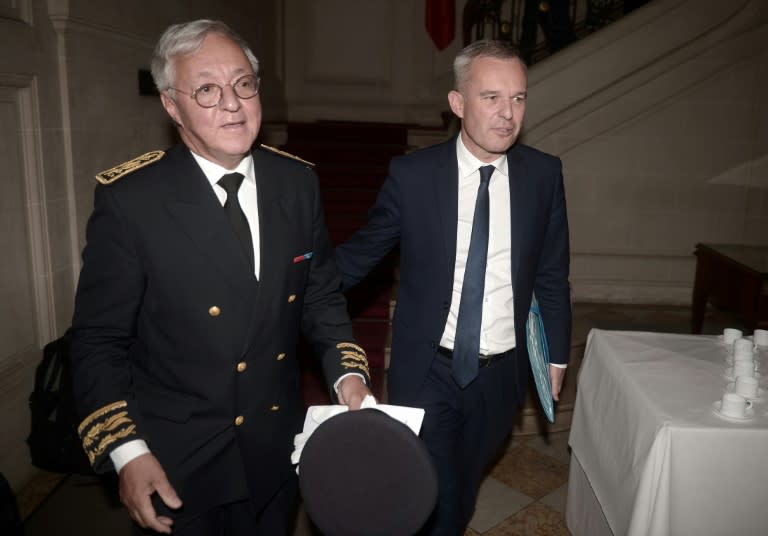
{"points": [[441, 22]]}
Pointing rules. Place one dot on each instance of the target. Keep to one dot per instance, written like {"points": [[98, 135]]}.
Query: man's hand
{"points": [[352, 391], [139, 479], [556, 375]]}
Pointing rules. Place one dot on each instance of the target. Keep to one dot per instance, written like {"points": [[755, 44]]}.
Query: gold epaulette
{"points": [[287, 155], [105, 426], [353, 357], [111, 175]]}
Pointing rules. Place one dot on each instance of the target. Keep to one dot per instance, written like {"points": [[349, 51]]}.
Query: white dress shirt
{"points": [[497, 331], [246, 195]]}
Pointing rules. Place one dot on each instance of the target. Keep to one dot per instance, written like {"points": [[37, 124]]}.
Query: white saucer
{"points": [[748, 414], [760, 392], [728, 375]]}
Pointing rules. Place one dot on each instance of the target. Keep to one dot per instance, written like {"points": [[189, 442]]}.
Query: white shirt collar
{"points": [[213, 172], [469, 163]]}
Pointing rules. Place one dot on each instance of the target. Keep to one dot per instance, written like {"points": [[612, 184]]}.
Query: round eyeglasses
{"points": [[210, 95]]}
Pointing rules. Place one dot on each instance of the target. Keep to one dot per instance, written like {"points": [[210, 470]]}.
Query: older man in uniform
{"points": [[202, 266]]}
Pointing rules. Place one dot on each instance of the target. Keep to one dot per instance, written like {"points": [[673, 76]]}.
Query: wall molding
{"points": [[66, 25], [66, 140], [25, 92], [385, 112], [621, 277], [621, 292], [17, 10]]}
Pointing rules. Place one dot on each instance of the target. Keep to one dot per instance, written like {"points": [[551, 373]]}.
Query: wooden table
{"points": [[734, 278]]}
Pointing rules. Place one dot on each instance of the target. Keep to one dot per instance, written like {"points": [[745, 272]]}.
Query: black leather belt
{"points": [[485, 360]]}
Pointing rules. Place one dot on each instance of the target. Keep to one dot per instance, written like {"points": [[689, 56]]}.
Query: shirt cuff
{"points": [[127, 452], [558, 365], [336, 385]]}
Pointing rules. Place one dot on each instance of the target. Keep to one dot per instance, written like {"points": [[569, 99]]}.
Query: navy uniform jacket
{"points": [[417, 207], [174, 340]]}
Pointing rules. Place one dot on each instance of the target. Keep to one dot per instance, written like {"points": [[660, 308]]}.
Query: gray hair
{"points": [[186, 38], [503, 50]]}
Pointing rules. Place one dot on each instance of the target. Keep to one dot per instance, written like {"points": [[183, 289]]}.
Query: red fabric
{"points": [[441, 22]]}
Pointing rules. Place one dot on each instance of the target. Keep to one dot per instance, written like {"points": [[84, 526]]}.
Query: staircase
{"points": [[351, 160]]}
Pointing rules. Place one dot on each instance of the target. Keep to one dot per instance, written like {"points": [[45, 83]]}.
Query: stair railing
{"points": [[540, 28]]}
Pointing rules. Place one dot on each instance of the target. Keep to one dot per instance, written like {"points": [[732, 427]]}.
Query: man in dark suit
{"points": [[471, 258], [202, 266]]}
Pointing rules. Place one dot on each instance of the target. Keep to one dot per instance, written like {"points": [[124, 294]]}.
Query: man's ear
{"points": [[170, 107], [456, 100]]}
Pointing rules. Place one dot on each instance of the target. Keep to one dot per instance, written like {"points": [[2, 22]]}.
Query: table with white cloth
{"points": [[649, 456]]}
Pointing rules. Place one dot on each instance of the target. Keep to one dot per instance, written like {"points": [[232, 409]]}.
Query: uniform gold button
{"points": [[280, 356], [214, 311], [274, 408], [291, 298], [241, 366], [239, 420]]}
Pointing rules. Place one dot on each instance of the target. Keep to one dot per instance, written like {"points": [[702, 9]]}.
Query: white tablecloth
{"points": [[658, 459]]}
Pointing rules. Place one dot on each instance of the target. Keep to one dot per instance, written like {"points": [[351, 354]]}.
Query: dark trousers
{"points": [[464, 430], [240, 518]]}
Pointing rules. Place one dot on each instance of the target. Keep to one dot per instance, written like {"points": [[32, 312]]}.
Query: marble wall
{"points": [[662, 126]]}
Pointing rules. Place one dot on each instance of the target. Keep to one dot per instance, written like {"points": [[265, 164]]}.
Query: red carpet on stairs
{"points": [[351, 160]]}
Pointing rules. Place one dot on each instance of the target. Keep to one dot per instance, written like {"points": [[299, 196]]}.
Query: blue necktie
{"points": [[231, 184], [466, 348]]}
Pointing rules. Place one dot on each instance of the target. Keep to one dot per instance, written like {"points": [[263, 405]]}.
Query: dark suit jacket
{"points": [[418, 207], [174, 338]]}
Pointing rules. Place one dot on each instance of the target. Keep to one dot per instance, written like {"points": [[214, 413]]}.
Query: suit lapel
{"points": [[516, 170], [194, 206], [274, 212], [274, 216], [521, 206], [445, 179]]}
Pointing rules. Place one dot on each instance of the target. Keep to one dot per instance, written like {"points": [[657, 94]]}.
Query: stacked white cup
{"points": [[743, 358], [730, 335], [747, 386], [744, 348], [739, 396], [760, 338]]}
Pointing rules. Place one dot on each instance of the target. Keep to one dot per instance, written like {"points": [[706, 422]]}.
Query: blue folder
{"points": [[538, 352]]}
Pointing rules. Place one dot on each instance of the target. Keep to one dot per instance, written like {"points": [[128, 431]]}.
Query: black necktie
{"points": [[466, 348], [231, 184]]}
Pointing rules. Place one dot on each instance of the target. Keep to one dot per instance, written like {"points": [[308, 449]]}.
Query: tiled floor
{"points": [[524, 495], [525, 492]]}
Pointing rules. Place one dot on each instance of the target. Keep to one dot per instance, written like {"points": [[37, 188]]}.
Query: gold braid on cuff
{"points": [[105, 426]]}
